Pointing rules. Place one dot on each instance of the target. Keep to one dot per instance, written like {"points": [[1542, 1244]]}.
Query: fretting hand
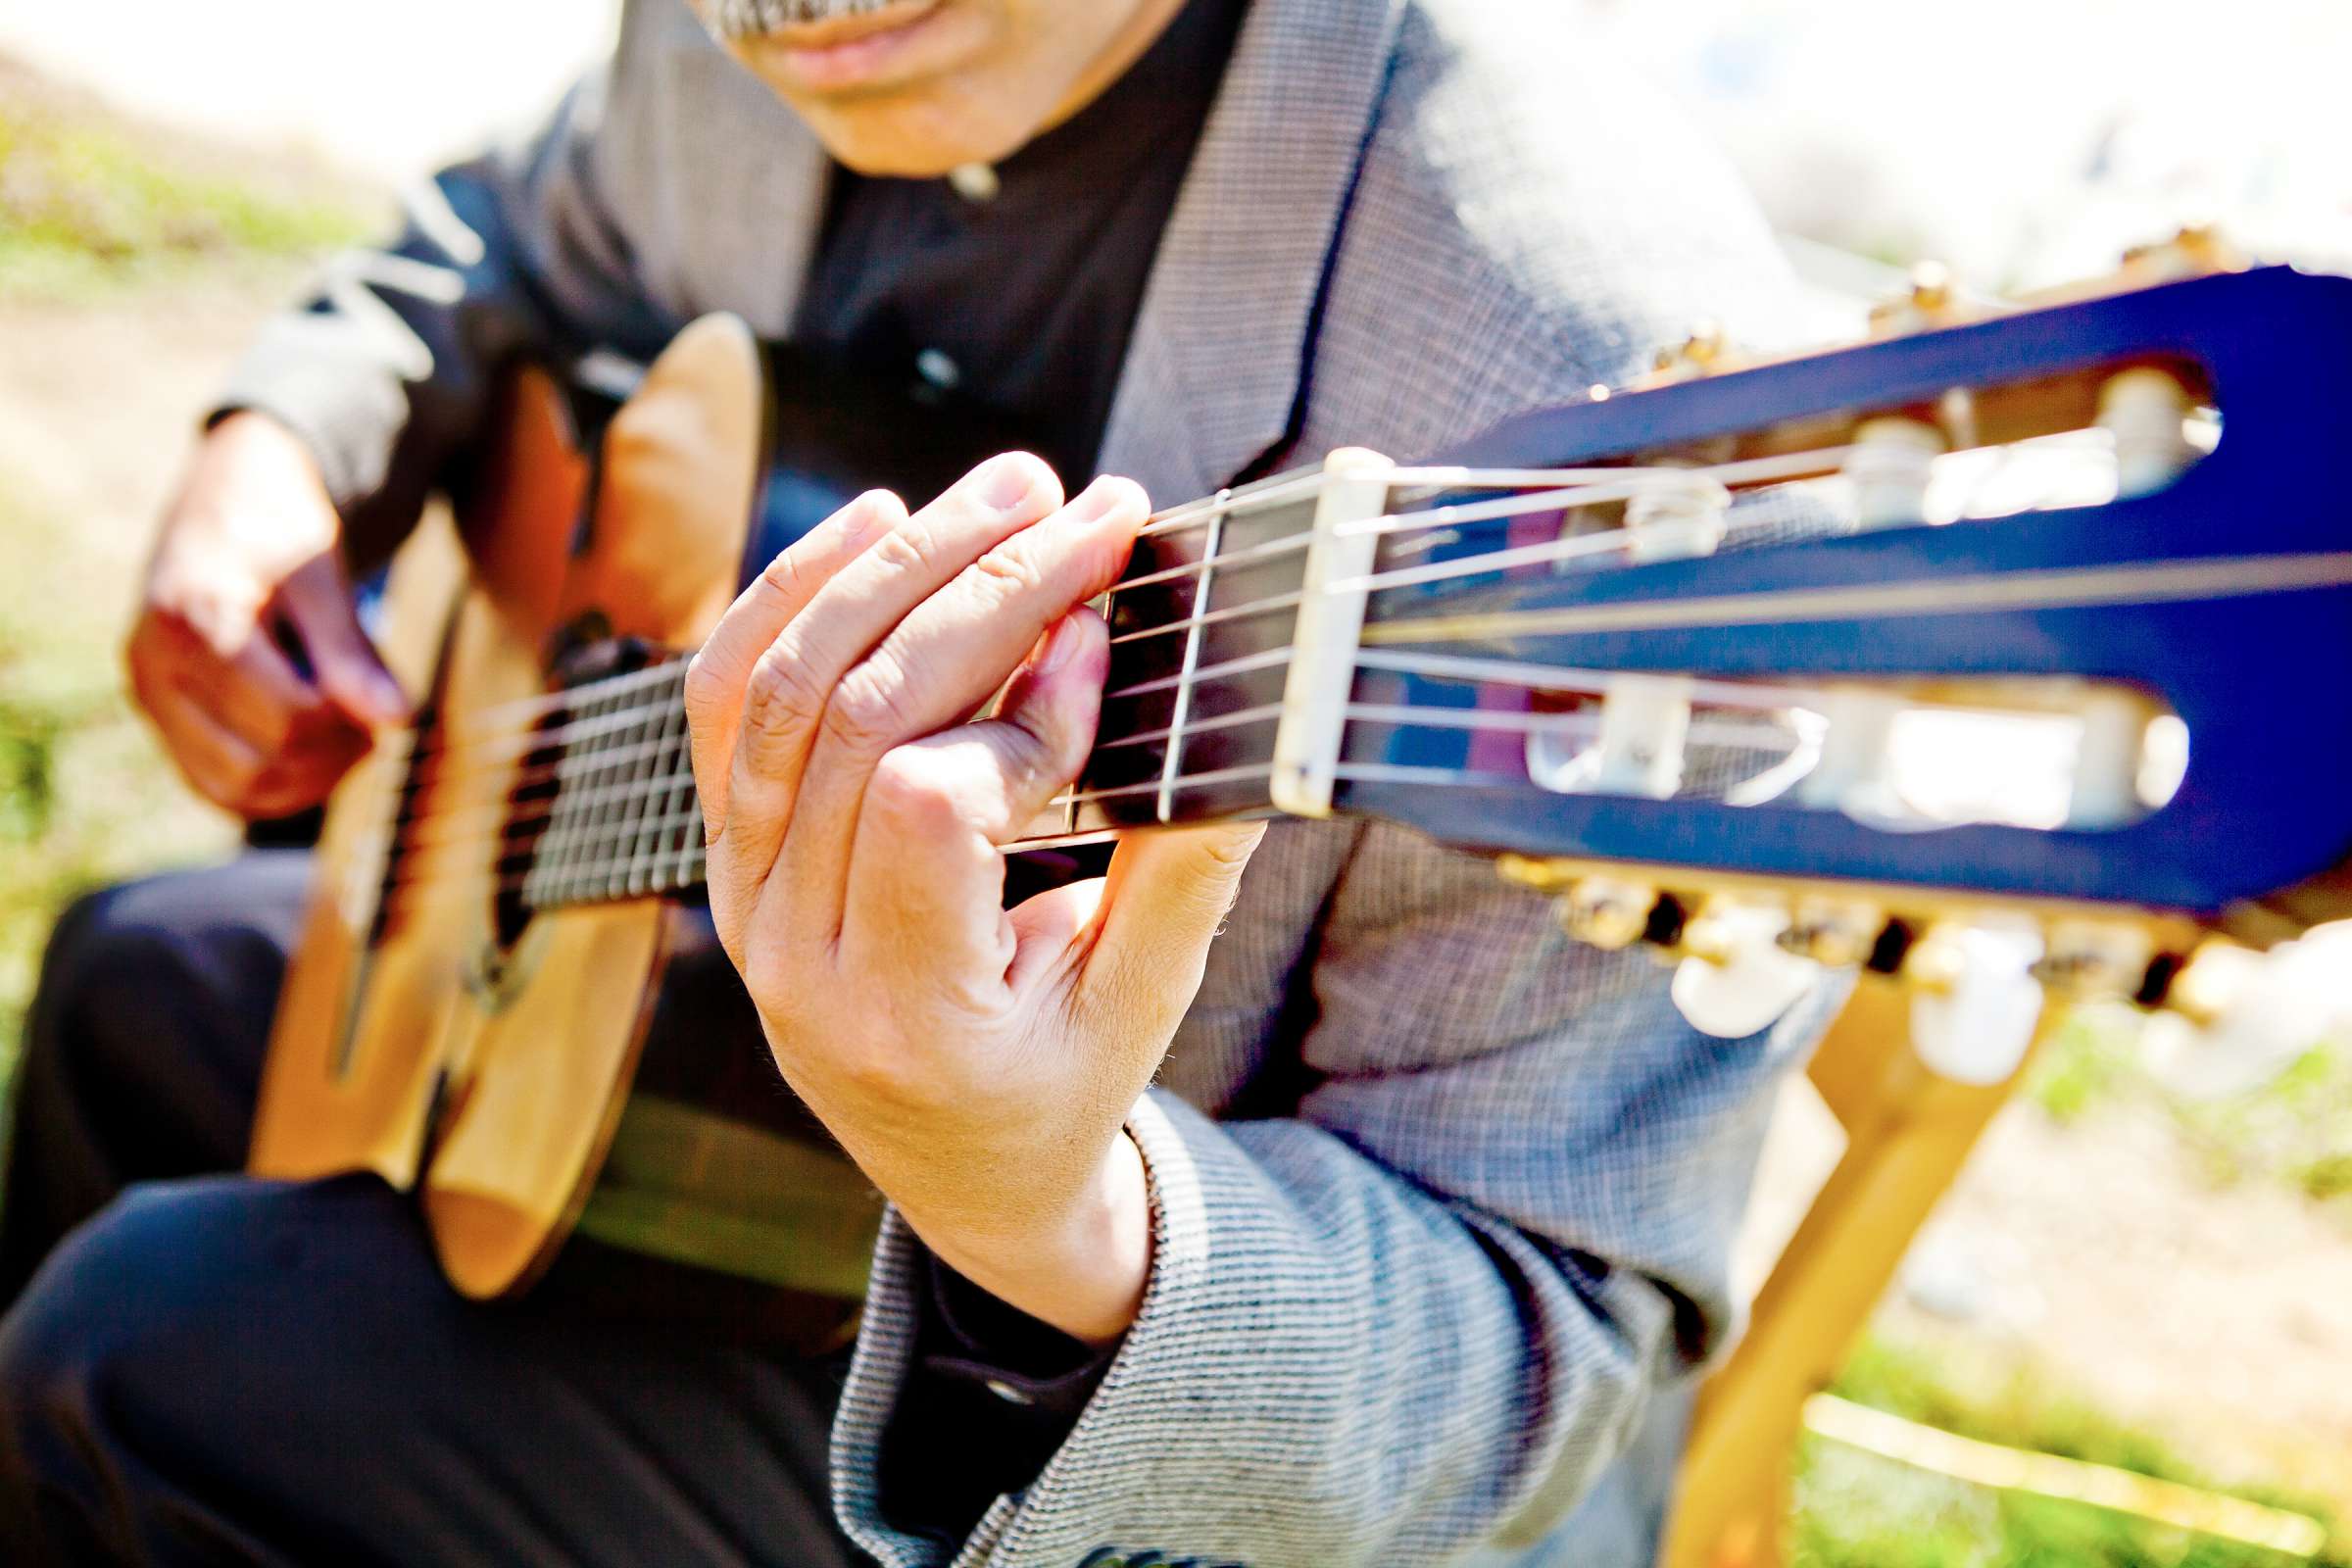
{"points": [[977, 1063]]}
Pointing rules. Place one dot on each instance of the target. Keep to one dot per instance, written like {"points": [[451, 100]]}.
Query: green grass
{"points": [[87, 205], [1857, 1510], [2296, 1128]]}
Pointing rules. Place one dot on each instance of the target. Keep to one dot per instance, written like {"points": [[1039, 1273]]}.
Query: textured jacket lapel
{"points": [[1220, 344]]}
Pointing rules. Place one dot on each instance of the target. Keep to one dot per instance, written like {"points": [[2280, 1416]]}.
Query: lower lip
{"points": [[859, 62]]}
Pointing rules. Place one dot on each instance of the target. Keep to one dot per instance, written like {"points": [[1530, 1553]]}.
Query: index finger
{"points": [[716, 682]]}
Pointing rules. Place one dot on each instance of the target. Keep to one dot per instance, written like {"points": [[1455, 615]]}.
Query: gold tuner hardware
{"points": [[1936, 961], [2087, 959], [2212, 981], [1713, 935], [2195, 249], [1836, 932], [1928, 302], [1704, 352], [1606, 914], [1531, 872]]}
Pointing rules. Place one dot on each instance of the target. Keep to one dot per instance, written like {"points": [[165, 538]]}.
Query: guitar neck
{"points": [[1202, 627]]}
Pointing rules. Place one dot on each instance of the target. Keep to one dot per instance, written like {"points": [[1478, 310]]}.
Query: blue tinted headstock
{"points": [[2198, 602]]}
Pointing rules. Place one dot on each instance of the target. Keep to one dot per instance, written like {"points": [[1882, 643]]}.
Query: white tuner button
{"points": [[1676, 518], [1740, 980], [1889, 464], [2146, 412], [1977, 1005], [1855, 771]]}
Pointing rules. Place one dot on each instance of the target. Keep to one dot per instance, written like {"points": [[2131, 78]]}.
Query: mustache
{"points": [[751, 18]]}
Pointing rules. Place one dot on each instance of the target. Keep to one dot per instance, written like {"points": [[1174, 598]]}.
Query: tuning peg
{"points": [[1890, 464], [1608, 914], [2147, 411], [1705, 351], [2110, 759], [1737, 979], [1854, 773], [1837, 932], [2088, 961], [1675, 518], [1975, 1002]]}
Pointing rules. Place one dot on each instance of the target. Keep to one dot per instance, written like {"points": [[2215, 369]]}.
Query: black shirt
{"points": [[1016, 289], [1024, 299]]}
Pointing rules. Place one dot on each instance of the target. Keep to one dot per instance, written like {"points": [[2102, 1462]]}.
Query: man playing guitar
{"points": [[1427, 1218]]}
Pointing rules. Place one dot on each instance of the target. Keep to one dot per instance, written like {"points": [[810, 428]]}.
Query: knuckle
{"points": [[780, 696], [908, 547], [783, 575], [869, 711], [1009, 574], [911, 792]]}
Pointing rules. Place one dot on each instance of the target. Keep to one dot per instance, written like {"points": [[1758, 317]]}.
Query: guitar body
{"points": [[486, 1067]]}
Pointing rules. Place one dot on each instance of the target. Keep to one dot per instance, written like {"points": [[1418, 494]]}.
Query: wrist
{"points": [[1081, 1266]]}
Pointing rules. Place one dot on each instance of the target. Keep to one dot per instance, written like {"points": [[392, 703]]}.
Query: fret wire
{"points": [[1192, 658], [597, 819], [650, 774], [1217, 618]]}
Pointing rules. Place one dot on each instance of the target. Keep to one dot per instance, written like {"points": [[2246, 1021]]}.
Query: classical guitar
{"points": [[1603, 644]]}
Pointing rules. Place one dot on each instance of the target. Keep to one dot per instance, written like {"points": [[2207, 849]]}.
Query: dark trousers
{"points": [[208, 1369]]}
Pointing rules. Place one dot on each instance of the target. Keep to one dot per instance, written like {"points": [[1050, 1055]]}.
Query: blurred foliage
{"points": [[85, 205], [2295, 1129], [1858, 1510]]}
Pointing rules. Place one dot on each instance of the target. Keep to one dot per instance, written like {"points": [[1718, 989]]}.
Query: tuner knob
{"points": [[1974, 1003], [1737, 979]]}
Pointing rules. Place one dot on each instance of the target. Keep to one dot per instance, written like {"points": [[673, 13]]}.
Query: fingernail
{"points": [[1101, 498], [1007, 481], [866, 513], [1062, 646]]}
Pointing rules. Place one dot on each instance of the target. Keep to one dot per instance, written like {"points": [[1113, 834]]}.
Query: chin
{"points": [[915, 142]]}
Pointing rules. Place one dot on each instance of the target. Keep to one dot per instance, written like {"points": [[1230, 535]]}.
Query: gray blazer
{"points": [[1414, 1308]]}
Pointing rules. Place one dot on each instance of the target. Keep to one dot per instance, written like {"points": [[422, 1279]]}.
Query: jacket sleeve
{"points": [[386, 367], [1424, 1311]]}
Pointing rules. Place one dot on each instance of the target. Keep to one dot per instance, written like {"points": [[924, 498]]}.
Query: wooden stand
{"points": [[1908, 1132]]}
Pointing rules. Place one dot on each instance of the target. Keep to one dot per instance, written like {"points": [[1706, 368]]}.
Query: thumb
{"points": [[317, 601], [1167, 898]]}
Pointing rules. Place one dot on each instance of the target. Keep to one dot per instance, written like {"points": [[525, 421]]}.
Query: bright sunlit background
{"points": [[2128, 1272]]}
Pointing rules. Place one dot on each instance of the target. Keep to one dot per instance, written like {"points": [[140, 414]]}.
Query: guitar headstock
{"points": [[2025, 619]]}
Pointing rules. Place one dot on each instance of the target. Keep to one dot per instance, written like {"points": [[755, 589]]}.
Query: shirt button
{"points": [[937, 368], [975, 182], [1007, 1393]]}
